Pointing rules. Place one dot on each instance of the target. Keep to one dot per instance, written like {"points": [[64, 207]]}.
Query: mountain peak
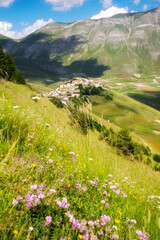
{"points": [[122, 45]]}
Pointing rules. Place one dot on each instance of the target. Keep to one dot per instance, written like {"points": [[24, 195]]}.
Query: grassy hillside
{"points": [[47, 168], [131, 114]]}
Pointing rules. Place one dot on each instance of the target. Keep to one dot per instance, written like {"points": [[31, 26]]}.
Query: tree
{"points": [[10, 66], [2, 63], [19, 78]]}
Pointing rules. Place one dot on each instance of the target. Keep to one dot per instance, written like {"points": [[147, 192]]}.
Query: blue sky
{"points": [[21, 17]]}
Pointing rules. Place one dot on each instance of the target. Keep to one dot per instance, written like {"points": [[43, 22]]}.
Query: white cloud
{"points": [[5, 3], [107, 3], [64, 5], [145, 7], [136, 2], [110, 12], [6, 28], [37, 25]]}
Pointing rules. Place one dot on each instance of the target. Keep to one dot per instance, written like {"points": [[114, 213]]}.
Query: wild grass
{"points": [[39, 150]]}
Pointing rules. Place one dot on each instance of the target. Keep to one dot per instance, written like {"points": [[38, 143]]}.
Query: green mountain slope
{"points": [[128, 113], [41, 151], [121, 45]]}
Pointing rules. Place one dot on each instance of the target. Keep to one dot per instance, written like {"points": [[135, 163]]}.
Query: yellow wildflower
{"points": [[117, 221], [33, 165], [15, 232], [80, 236]]}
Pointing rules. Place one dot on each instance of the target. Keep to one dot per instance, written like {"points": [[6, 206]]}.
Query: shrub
{"points": [[19, 78], [57, 102], [124, 142], [81, 120], [90, 90], [109, 95], [148, 161], [84, 121], [156, 157], [156, 167]]}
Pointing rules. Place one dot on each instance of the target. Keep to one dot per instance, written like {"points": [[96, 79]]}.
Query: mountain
{"points": [[121, 45]]}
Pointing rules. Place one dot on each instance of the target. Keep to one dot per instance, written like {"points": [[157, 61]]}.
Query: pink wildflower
{"points": [[124, 195], [50, 161], [100, 233], [78, 185], [33, 187], [147, 236], [105, 218], [103, 223], [52, 191], [14, 202], [86, 237], [118, 192], [28, 205], [133, 221], [110, 176], [115, 236], [138, 232], [96, 223], [19, 198], [72, 153], [90, 223], [48, 221], [41, 196], [113, 187]]}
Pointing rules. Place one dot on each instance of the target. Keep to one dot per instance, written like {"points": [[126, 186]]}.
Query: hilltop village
{"points": [[71, 89]]}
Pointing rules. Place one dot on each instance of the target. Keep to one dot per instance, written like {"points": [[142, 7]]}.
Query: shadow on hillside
{"points": [[150, 98], [7, 43], [42, 55], [125, 108], [41, 45], [89, 68]]}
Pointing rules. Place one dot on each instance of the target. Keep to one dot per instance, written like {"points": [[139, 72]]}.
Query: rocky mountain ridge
{"points": [[121, 45]]}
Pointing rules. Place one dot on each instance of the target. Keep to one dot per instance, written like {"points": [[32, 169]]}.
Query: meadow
{"points": [[59, 184], [139, 116]]}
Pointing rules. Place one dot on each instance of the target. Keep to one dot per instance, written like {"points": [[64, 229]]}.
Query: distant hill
{"points": [[122, 45]]}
